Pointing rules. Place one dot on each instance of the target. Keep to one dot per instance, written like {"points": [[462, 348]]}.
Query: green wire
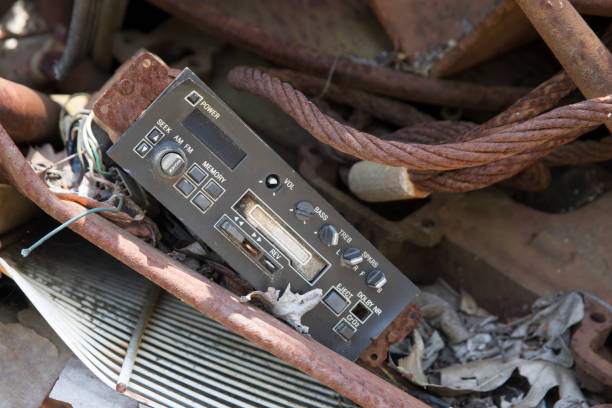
{"points": [[26, 251], [97, 159]]}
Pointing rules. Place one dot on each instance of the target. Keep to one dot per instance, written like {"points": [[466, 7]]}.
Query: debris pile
{"points": [[469, 142]]}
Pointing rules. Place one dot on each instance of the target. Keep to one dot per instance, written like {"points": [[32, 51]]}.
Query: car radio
{"points": [[204, 164]]}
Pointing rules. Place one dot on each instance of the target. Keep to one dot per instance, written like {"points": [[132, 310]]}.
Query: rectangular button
{"points": [[335, 301], [232, 232], [143, 148], [197, 174], [155, 135], [201, 202], [185, 186], [345, 330], [213, 189]]}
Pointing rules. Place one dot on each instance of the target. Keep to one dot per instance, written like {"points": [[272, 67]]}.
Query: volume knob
{"points": [[329, 235]]}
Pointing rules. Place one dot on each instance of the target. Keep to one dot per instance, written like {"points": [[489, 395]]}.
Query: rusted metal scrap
{"points": [[590, 349], [404, 323], [376, 79]]}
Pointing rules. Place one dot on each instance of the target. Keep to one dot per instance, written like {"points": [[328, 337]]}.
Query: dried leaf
{"points": [[289, 307]]}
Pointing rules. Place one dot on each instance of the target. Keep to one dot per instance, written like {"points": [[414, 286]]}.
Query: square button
{"points": [[185, 186], [201, 201], [213, 189], [345, 330], [197, 174], [335, 301], [193, 98], [143, 148], [155, 135]]}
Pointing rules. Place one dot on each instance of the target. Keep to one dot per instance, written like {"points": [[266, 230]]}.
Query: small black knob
{"points": [[303, 210], [329, 235], [172, 163], [352, 256], [272, 182], [376, 279]]}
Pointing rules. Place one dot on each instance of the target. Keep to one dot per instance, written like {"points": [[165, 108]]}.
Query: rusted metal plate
{"points": [[347, 27], [502, 30], [590, 349], [419, 27], [505, 253], [129, 92]]}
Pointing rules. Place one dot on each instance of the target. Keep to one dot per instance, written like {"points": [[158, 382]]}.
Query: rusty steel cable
{"points": [[492, 146], [376, 79], [387, 109], [580, 152]]}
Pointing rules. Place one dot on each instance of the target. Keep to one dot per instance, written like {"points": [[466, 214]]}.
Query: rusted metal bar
{"points": [[583, 56], [376, 79], [29, 116], [392, 111], [261, 328]]}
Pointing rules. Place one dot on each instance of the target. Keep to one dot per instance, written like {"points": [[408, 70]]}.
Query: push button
{"points": [[232, 232], [193, 98], [345, 330], [185, 186], [196, 174], [155, 135], [335, 301], [172, 164], [143, 148], [213, 189], [202, 202]]}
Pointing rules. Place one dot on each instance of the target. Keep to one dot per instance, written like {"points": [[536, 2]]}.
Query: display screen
{"points": [[218, 142]]}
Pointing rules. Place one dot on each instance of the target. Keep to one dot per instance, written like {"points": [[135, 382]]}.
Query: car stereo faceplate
{"points": [[206, 166]]}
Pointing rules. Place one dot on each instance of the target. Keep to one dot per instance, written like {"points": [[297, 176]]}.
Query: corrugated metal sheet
{"points": [[182, 358]]}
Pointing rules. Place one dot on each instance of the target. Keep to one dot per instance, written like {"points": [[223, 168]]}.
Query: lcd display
{"points": [[218, 142]]}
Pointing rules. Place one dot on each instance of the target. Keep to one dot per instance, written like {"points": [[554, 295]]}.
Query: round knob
{"points": [[272, 181], [352, 256], [376, 279], [329, 235], [303, 210], [172, 163]]}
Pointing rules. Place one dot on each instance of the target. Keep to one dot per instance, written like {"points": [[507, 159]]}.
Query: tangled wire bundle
{"points": [[483, 155]]}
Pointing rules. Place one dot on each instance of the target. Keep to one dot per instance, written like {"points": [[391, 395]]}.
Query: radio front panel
{"points": [[205, 165]]}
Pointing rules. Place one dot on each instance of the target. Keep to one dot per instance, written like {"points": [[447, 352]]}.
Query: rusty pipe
{"points": [[29, 116], [311, 357], [583, 56]]}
